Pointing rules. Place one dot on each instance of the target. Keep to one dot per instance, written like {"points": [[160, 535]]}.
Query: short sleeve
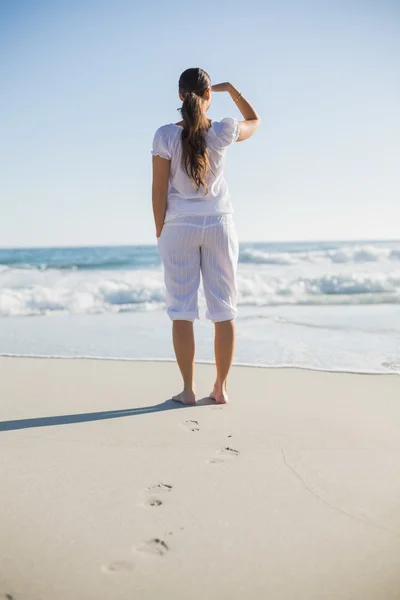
{"points": [[228, 131], [160, 146]]}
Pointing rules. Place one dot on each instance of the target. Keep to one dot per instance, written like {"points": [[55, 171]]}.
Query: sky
{"points": [[85, 84]]}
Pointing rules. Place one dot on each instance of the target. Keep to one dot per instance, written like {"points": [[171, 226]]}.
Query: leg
{"points": [[219, 257], [183, 338], [179, 249], [224, 345]]}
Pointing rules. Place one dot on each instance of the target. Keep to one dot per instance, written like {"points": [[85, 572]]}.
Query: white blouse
{"points": [[183, 198]]}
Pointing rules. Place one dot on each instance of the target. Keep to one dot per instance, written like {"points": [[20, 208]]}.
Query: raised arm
{"points": [[252, 120]]}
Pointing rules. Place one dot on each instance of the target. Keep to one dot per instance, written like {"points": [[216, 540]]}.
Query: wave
{"points": [[30, 292], [140, 257], [344, 254], [77, 259], [270, 258], [74, 266], [350, 288], [33, 293]]}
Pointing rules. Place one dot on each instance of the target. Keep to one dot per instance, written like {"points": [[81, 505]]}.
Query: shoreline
{"points": [[197, 362]]}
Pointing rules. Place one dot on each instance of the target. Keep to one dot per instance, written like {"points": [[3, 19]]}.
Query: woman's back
{"points": [[183, 196], [196, 236]]}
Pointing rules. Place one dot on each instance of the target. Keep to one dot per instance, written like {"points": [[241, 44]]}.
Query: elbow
{"points": [[256, 122]]}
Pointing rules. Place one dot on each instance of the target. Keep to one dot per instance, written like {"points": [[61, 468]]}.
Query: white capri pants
{"points": [[190, 245]]}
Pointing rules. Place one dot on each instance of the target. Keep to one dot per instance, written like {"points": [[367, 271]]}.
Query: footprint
{"points": [[160, 487], [230, 451], [154, 502], [192, 425], [6, 597], [155, 489], [118, 565], [155, 547], [225, 452]]}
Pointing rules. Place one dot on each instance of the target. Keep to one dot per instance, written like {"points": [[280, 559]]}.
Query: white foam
{"points": [[345, 254], [383, 370], [30, 292], [272, 258], [354, 288]]}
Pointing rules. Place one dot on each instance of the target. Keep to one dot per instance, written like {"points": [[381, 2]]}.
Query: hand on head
{"points": [[221, 87]]}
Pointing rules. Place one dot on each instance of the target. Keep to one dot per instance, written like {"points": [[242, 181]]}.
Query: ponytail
{"points": [[195, 157]]}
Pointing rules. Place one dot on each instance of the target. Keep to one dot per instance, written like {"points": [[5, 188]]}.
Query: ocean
{"points": [[321, 305]]}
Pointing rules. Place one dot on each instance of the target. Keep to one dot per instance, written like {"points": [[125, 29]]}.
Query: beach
{"points": [[122, 187], [111, 490]]}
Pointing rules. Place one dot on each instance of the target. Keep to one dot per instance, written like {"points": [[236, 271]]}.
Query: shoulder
{"points": [[227, 130], [226, 122], [164, 144], [168, 130]]}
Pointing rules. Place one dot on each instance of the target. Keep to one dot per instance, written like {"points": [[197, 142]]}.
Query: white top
{"points": [[183, 198]]}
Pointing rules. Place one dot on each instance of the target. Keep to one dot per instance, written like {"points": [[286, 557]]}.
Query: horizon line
{"points": [[301, 241]]}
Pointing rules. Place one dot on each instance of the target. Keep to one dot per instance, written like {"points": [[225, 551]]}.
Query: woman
{"points": [[194, 224]]}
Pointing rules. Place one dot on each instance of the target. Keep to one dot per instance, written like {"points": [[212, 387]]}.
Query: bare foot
{"points": [[185, 397], [220, 396]]}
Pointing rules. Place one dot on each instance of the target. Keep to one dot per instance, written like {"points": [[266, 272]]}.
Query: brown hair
{"points": [[193, 83]]}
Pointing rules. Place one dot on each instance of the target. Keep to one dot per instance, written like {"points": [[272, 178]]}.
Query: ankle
{"points": [[189, 387], [220, 386]]}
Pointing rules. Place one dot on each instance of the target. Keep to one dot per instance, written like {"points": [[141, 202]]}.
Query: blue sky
{"points": [[85, 84]]}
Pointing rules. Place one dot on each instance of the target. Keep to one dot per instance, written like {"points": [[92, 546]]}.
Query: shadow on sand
{"points": [[97, 416]]}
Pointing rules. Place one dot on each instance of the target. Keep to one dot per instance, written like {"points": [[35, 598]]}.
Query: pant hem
{"points": [[183, 316], [219, 317]]}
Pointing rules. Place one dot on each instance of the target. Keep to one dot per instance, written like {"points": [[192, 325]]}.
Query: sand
{"points": [[110, 491]]}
